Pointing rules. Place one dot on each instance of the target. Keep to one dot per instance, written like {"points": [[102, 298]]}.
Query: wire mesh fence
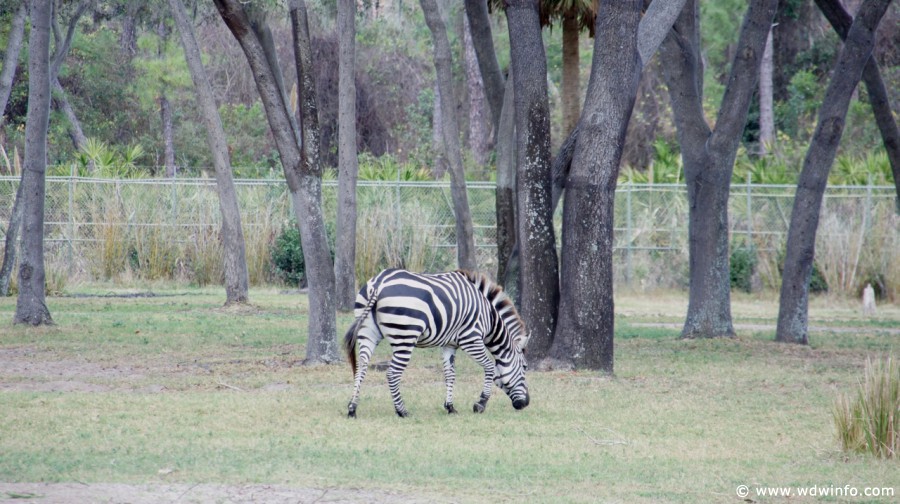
{"points": [[123, 229]]}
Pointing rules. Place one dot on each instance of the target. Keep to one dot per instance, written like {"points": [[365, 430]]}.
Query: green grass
{"points": [[204, 394]]}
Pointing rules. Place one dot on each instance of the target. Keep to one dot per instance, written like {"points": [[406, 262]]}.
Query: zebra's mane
{"points": [[502, 303]]}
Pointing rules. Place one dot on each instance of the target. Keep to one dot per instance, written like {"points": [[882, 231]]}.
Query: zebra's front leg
{"points": [[401, 351], [474, 346], [366, 348], [449, 377]]}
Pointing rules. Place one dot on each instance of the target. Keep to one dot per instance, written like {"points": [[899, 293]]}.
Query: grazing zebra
{"points": [[449, 310]]}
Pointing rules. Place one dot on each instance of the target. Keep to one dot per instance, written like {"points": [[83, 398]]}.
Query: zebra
{"points": [[459, 309]]}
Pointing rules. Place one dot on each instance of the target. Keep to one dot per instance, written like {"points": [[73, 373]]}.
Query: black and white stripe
{"points": [[448, 310]]}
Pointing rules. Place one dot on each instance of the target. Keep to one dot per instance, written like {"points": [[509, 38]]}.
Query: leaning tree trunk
{"points": [[76, 133], [31, 307], [584, 333], [571, 71], [801, 242], [878, 97], [11, 242], [11, 58], [483, 42], [443, 64], [235, 256], [709, 156], [348, 164], [506, 189], [303, 176], [538, 265]]}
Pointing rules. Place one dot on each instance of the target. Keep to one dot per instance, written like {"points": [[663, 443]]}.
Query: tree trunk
{"points": [[791, 35], [128, 37], [303, 178], [479, 122], [584, 332], [235, 257], [322, 348], [798, 262], [165, 110], [766, 103], [79, 141], [443, 64], [348, 164], [506, 188], [878, 97], [31, 307], [11, 242], [571, 72], [11, 58], [538, 264], [483, 42], [709, 156]]}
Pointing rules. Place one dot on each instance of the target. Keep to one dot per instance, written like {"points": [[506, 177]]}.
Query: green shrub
{"points": [[869, 422], [743, 266], [287, 255]]}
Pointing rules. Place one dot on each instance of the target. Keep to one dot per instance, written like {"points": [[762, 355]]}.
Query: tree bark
{"points": [[11, 58], [709, 156], [506, 189], [483, 42], [798, 262], [584, 332], [878, 97], [443, 64], [235, 256], [128, 37], [165, 110], [571, 72], [348, 164], [31, 307], [322, 348], [538, 264], [766, 102], [479, 122], [79, 141], [303, 178]]}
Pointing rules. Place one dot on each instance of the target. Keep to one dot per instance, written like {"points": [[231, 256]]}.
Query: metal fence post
{"points": [[629, 274], [71, 220], [749, 209]]}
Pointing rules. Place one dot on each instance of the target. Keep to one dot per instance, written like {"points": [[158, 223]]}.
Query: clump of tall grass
{"points": [[869, 421], [385, 240]]}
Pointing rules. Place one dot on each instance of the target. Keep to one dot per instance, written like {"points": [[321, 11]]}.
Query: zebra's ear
{"points": [[522, 342]]}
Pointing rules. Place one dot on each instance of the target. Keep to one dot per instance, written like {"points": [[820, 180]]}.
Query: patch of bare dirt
{"points": [[66, 493]]}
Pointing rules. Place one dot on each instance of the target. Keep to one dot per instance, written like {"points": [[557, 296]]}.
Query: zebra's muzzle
{"points": [[521, 403]]}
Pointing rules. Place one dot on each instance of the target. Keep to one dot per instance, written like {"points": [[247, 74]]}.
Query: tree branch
{"points": [[63, 46]]}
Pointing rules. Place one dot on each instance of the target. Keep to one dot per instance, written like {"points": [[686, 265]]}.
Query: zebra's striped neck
{"points": [[511, 323]]}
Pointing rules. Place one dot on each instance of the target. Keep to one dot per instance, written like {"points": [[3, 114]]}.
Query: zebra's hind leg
{"points": [[474, 346], [401, 350], [449, 354], [367, 343]]}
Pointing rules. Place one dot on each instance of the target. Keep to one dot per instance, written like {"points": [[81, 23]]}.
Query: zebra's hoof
{"points": [[450, 409], [402, 414], [351, 411], [478, 408]]}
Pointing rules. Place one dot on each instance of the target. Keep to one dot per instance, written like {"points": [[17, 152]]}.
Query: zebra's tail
{"points": [[352, 335]]}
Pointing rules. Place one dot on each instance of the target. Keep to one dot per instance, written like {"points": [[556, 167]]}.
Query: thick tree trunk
{"points": [[11, 58], [766, 102], [571, 71], [303, 178], [506, 188], [235, 257], [709, 157], [878, 97], [479, 121], [322, 348], [443, 64], [791, 35], [31, 307], [584, 332], [798, 262], [538, 264], [483, 42], [348, 165]]}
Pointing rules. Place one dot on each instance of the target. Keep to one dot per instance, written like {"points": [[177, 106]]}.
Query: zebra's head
{"points": [[511, 366]]}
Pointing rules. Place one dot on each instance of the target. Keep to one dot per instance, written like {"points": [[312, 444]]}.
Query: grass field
{"points": [[176, 390]]}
